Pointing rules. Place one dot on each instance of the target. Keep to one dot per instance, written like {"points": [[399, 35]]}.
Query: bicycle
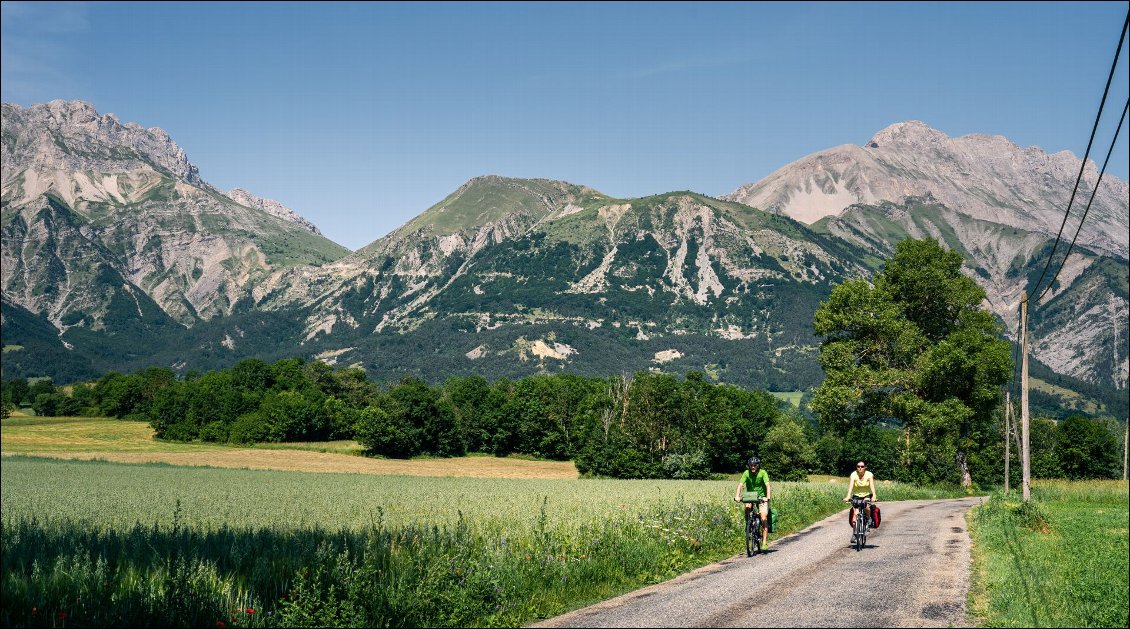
{"points": [[862, 522], [753, 524]]}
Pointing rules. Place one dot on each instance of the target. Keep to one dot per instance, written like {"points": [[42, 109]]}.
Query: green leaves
{"points": [[914, 349]]}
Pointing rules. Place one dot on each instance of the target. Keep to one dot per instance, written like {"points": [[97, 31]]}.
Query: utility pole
{"points": [[1125, 443], [1007, 434], [1025, 476]]}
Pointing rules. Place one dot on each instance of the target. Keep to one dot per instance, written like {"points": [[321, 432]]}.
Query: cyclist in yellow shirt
{"points": [[861, 484]]}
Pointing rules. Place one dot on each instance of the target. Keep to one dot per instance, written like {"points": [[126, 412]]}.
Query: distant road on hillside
{"points": [[914, 572]]}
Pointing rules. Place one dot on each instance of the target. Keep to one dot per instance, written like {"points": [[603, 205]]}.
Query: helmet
{"points": [[752, 461]]}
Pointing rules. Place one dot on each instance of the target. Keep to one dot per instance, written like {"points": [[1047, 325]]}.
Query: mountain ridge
{"points": [[513, 276]]}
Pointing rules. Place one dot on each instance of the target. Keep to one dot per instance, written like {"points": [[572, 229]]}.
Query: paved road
{"points": [[914, 572]]}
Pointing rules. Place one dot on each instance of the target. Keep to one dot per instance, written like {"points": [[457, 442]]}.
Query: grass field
{"points": [[792, 397], [1061, 561], [474, 541], [111, 544]]}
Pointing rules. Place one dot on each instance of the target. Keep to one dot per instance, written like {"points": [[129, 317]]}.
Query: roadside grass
{"points": [[110, 544], [1060, 561]]}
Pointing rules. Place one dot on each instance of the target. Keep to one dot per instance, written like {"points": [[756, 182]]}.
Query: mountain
{"points": [[97, 212], [985, 177], [117, 255], [509, 277], [997, 204]]}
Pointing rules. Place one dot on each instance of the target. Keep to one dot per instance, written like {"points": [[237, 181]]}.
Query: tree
{"points": [[1087, 449], [390, 436], [915, 350], [786, 453]]}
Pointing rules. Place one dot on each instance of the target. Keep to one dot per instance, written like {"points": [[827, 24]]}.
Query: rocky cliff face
{"points": [[82, 191], [61, 138], [1000, 206]]}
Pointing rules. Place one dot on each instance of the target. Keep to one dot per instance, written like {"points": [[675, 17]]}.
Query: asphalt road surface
{"points": [[914, 572]]}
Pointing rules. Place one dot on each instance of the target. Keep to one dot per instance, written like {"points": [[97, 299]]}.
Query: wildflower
{"points": [[220, 624], [61, 616], [251, 610]]}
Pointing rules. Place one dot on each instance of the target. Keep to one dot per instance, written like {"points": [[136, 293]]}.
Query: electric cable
{"points": [[1082, 167], [1095, 190]]}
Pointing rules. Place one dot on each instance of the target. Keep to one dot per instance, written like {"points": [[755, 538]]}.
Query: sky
{"points": [[360, 116]]}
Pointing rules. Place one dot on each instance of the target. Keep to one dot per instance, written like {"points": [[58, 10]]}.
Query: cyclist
{"points": [[861, 484], [756, 480]]}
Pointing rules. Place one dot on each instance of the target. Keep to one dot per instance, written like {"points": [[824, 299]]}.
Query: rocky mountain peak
{"points": [[985, 177], [911, 134], [73, 136], [270, 206]]}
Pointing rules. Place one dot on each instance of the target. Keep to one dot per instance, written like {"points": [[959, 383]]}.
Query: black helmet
{"points": [[752, 461]]}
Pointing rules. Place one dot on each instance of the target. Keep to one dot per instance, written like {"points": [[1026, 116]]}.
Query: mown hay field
{"points": [[85, 438]]}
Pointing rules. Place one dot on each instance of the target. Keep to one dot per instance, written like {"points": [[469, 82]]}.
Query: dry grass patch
{"points": [[24, 435], [83, 438], [308, 461]]}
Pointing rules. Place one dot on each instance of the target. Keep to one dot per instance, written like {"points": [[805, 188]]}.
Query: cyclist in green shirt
{"points": [[756, 480]]}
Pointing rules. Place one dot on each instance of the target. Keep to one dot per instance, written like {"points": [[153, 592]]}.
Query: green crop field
{"points": [[1060, 561], [113, 544]]}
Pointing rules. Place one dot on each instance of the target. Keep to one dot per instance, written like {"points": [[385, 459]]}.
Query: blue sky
{"points": [[360, 116]]}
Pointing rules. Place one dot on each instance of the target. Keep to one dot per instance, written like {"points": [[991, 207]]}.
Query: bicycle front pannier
{"points": [[751, 496], [875, 516], [772, 520]]}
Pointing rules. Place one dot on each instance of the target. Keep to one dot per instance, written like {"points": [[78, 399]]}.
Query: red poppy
{"points": [[61, 615], [250, 610], [220, 624]]}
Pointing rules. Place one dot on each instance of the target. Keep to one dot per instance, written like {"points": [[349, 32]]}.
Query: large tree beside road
{"points": [[914, 349]]}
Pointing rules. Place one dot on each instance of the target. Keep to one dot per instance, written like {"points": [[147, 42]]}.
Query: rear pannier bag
{"points": [[875, 515]]}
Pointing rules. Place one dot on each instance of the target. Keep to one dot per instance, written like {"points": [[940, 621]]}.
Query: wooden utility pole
{"points": [[1025, 473], [1007, 435]]}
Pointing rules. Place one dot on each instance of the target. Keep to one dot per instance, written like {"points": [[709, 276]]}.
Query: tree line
{"points": [[645, 425]]}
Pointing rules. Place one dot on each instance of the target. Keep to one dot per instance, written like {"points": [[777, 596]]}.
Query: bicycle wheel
{"points": [[860, 536], [757, 531], [750, 534]]}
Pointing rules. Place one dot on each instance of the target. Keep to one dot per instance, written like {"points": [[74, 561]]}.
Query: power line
{"points": [[1117, 132], [1082, 167]]}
